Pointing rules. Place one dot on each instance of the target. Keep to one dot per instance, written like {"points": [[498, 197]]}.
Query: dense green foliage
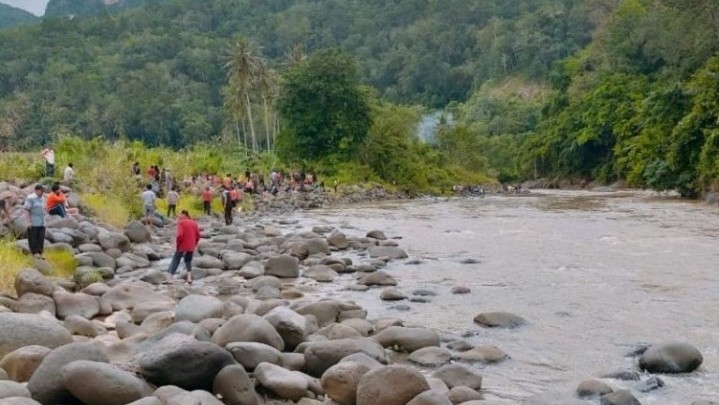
{"points": [[12, 17], [78, 8], [324, 111], [156, 73]]}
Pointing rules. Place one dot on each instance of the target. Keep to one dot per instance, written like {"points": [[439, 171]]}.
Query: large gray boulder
{"points": [[672, 357], [321, 273], [338, 240], [320, 356], [20, 330], [247, 328], [459, 375], [47, 386], [195, 308], [113, 240], [291, 326], [407, 339], [286, 384], [283, 266], [32, 281], [392, 252], [96, 383], [593, 388], [234, 386], [68, 304], [137, 232], [431, 397], [100, 259], [620, 397], [341, 380], [378, 278], [251, 354], [31, 303], [431, 356], [499, 320], [22, 363], [129, 294], [186, 364], [390, 385], [236, 261], [10, 389]]}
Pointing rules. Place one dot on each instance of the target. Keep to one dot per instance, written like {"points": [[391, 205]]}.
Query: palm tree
{"points": [[241, 72], [295, 55], [266, 84]]}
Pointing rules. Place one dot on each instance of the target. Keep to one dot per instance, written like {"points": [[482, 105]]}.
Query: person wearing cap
{"points": [[187, 237], [35, 213]]}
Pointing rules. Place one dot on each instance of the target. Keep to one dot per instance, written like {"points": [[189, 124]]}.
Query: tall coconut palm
{"points": [[266, 84], [241, 71]]}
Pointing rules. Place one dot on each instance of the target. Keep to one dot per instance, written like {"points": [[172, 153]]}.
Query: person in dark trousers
{"points": [[227, 205], [207, 201], [187, 238], [35, 209]]}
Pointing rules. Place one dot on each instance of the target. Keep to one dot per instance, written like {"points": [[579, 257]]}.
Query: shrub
{"points": [[12, 261]]}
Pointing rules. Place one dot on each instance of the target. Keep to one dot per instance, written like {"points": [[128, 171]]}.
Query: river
{"points": [[595, 274]]}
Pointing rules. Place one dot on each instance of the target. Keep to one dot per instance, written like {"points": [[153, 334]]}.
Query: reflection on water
{"points": [[595, 274]]}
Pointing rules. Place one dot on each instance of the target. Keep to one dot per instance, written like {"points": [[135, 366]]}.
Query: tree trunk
{"points": [[237, 130], [244, 133], [267, 122], [252, 125]]}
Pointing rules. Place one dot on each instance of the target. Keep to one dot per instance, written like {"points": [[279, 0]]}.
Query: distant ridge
{"points": [[12, 17]]}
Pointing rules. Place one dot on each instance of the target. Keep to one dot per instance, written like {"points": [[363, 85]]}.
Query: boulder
{"points": [[46, 385], [379, 278], [459, 375], [234, 386], [392, 294], [137, 232], [101, 259], [622, 375], [113, 240], [20, 330], [81, 304], [650, 384], [77, 325], [407, 339], [461, 290], [337, 331], [431, 356], [195, 308], [31, 303], [483, 354], [341, 380], [390, 385], [461, 394], [290, 325], [96, 383], [391, 252], [430, 398], [251, 354], [320, 356], [236, 261], [32, 281], [593, 388], [21, 363], [672, 358], [326, 312], [186, 364], [286, 384], [317, 246], [376, 234], [129, 294], [321, 273], [157, 321], [620, 397], [499, 320], [248, 328], [252, 270], [283, 266], [146, 308], [338, 240], [10, 389]]}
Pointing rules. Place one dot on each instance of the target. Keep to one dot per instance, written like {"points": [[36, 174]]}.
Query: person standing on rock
{"points": [[227, 205], [187, 238], [49, 154], [207, 201], [173, 197], [35, 211], [149, 200]]}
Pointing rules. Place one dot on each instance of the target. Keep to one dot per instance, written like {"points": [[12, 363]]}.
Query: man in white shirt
{"points": [[49, 154], [69, 173], [149, 199]]}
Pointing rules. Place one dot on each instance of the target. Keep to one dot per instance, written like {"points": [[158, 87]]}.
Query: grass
{"points": [[106, 209], [191, 203], [14, 261]]}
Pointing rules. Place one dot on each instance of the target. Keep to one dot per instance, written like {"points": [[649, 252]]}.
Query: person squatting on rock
{"points": [[57, 203], [35, 210], [187, 238]]}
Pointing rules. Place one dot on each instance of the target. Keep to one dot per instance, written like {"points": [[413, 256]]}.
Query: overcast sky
{"points": [[36, 7]]}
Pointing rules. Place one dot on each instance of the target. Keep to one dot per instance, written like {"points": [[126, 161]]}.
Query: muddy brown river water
{"points": [[595, 274]]}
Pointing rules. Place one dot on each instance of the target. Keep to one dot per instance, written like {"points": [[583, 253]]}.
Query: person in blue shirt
{"points": [[35, 210]]}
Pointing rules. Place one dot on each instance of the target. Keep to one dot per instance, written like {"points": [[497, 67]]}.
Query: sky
{"points": [[36, 7]]}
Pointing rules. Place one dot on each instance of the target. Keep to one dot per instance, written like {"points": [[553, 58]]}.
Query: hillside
{"points": [[12, 17], [88, 7], [155, 73]]}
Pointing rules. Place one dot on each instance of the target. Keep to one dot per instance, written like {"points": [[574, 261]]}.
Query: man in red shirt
{"points": [[207, 201], [188, 236]]}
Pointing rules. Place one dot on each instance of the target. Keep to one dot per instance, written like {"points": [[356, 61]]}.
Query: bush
{"points": [[13, 261]]}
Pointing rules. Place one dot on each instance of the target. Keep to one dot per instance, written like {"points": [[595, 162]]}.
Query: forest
{"points": [[595, 90]]}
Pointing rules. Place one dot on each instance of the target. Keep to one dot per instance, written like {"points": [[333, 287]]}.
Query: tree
{"points": [[241, 73], [322, 107]]}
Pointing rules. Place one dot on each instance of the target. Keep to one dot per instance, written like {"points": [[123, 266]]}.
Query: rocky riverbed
{"points": [[266, 321]]}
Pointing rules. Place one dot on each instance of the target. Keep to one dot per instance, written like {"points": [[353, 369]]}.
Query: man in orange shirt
{"points": [[56, 202]]}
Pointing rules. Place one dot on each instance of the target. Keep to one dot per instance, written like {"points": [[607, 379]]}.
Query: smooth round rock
{"points": [[431, 356], [621, 397], [235, 387], [499, 320], [96, 383], [20, 330], [593, 388], [390, 385], [341, 380], [671, 358]]}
